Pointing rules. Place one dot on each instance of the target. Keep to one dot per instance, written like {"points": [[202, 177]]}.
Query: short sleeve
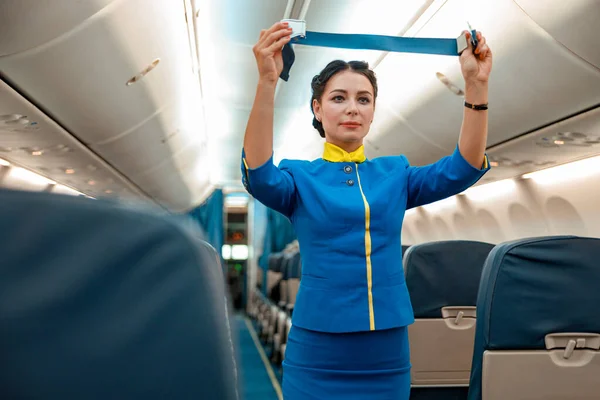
{"points": [[446, 177]]}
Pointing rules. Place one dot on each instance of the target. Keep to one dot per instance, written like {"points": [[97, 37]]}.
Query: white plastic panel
{"points": [[80, 79], [26, 24], [572, 23], [44, 147], [534, 81], [187, 170], [569, 140]]}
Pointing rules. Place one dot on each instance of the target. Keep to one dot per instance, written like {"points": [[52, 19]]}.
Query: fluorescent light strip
{"points": [[30, 176], [489, 190], [570, 171], [4, 163]]}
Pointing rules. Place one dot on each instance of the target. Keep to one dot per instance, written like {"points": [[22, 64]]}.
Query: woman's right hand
{"points": [[268, 51]]}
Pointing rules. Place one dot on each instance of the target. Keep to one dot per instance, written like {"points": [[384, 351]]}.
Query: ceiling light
{"points": [[69, 171], [91, 182], [4, 163], [577, 169], [236, 201], [29, 176], [489, 190], [36, 153], [108, 191], [61, 189], [559, 142]]}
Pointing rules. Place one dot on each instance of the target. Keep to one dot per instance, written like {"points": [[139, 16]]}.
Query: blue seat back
{"points": [[531, 288], [100, 301], [275, 260], [444, 273], [404, 248]]}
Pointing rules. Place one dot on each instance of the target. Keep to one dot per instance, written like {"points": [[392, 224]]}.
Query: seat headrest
{"points": [[295, 267], [445, 273], [102, 301], [533, 287], [275, 261], [285, 264]]}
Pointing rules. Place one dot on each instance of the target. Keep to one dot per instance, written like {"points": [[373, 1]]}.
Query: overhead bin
{"points": [[535, 80], [30, 139], [77, 66], [574, 24]]}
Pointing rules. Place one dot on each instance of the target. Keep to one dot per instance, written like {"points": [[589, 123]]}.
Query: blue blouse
{"points": [[347, 212]]}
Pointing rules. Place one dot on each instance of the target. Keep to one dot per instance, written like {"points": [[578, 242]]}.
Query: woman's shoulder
{"points": [[392, 161], [294, 164]]}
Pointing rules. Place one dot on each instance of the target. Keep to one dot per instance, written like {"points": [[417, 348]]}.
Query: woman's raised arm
{"points": [[258, 139]]}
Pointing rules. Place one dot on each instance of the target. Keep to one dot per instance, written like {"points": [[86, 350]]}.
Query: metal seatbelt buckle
{"points": [[461, 43], [298, 27]]}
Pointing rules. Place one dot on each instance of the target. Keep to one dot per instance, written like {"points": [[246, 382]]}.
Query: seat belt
{"points": [[445, 47]]}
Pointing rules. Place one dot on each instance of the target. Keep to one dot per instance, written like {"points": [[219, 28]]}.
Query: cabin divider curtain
{"points": [[209, 215]]}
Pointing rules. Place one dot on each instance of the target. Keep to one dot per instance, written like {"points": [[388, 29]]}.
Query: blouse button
{"points": [[347, 169], [350, 182]]}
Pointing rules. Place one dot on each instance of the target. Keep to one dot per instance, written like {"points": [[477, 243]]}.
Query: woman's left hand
{"points": [[476, 66]]}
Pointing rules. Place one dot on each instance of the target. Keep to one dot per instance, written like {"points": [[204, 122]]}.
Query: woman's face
{"points": [[346, 109]]}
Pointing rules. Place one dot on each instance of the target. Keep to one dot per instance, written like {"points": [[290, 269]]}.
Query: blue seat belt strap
{"points": [[446, 47]]}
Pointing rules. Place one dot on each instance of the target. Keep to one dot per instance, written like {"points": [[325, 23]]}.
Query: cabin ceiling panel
{"points": [[574, 24], [81, 76], [28, 138], [147, 145], [535, 81], [124, 41], [26, 24], [179, 183], [560, 143]]}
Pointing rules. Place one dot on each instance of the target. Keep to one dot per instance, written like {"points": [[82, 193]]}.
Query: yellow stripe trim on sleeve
{"points": [[368, 253], [245, 168]]}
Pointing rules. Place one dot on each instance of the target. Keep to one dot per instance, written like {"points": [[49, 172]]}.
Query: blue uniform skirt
{"points": [[370, 365]]}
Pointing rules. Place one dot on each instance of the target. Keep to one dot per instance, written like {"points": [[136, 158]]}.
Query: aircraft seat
{"points": [[274, 274], [283, 284], [538, 321], [443, 280], [404, 249], [101, 301], [295, 273]]}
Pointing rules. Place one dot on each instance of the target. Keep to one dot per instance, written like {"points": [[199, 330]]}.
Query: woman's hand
{"points": [[476, 66], [268, 51]]}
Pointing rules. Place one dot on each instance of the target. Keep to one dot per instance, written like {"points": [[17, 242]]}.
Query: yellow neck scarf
{"points": [[333, 153]]}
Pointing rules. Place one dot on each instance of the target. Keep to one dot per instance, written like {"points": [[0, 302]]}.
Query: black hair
{"points": [[319, 81]]}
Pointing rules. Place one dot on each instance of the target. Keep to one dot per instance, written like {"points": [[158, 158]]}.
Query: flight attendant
{"points": [[349, 337]]}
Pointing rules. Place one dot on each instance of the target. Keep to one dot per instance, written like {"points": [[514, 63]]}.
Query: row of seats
{"points": [[273, 312], [100, 301], [520, 320]]}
